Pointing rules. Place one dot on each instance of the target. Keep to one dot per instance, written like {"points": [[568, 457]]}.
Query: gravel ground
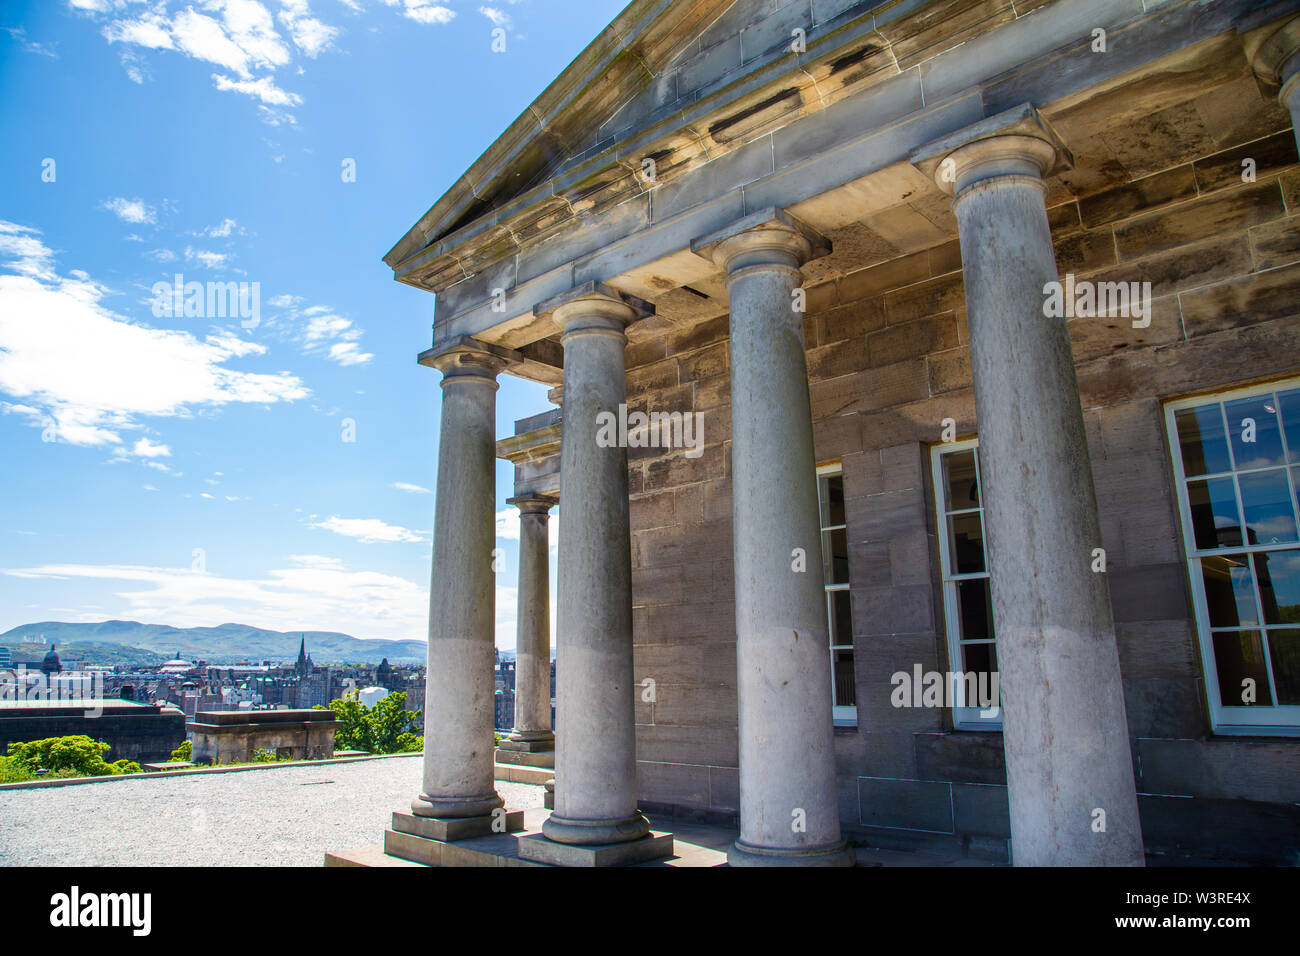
{"points": [[281, 816]]}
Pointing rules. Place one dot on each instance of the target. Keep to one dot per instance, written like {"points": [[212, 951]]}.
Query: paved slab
{"points": [[286, 816]]}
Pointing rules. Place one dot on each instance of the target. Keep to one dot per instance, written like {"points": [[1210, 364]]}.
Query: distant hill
{"points": [[93, 652], [223, 644]]}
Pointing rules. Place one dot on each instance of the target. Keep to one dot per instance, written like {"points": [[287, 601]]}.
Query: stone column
{"points": [[532, 731], [595, 759], [1065, 736], [1276, 60], [789, 812], [458, 718]]}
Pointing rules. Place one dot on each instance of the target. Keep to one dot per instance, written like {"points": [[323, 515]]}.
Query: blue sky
{"points": [[193, 471]]}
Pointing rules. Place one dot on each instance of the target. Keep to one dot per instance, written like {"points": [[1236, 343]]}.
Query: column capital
{"points": [[592, 307], [462, 357], [1273, 50], [533, 504], [1016, 142], [767, 237]]}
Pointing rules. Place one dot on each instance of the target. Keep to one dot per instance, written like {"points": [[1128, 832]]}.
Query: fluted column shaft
{"points": [[1065, 736], [789, 813], [458, 700], [533, 634]]}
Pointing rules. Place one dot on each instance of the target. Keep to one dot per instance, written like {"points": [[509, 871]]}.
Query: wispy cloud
{"points": [[131, 210], [85, 374], [368, 530], [414, 489]]}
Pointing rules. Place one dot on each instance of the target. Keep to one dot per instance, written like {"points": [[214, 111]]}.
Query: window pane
{"points": [[1201, 440], [1238, 657], [980, 659], [966, 543], [1215, 522], [841, 617], [960, 489], [1229, 590], [1278, 574], [835, 556], [832, 500], [975, 609], [1289, 408], [1266, 501], [1266, 448], [1284, 650], [845, 688]]}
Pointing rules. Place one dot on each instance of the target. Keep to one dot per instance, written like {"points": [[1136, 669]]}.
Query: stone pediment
{"points": [[679, 83]]}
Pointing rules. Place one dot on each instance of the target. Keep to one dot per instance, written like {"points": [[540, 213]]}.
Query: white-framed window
{"points": [[967, 600], [1236, 461], [839, 602]]}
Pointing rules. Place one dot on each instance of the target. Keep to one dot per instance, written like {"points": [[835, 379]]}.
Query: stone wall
{"points": [[226, 737], [140, 732], [888, 362]]}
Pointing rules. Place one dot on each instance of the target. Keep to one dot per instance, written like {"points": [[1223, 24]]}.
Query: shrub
{"points": [[185, 753], [77, 755]]}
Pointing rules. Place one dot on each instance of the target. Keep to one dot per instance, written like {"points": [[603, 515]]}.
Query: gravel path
{"points": [[282, 816]]}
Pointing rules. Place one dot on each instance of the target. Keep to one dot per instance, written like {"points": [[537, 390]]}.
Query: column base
{"points": [[654, 845], [451, 829], [528, 743], [837, 854], [548, 798], [595, 832], [479, 805]]}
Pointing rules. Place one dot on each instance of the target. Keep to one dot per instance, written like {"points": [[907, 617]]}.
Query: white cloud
{"points": [[86, 374], [313, 593], [367, 530], [263, 89], [144, 448], [221, 230], [423, 11], [317, 330], [348, 353], [206, 257], [308, 33], [414, 489], [131, 210], [498, 17]]}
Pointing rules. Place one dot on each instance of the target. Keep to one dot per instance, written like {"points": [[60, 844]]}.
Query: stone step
{"points": [[522, 758], [496, 850], [372, 855], [513, 773]]}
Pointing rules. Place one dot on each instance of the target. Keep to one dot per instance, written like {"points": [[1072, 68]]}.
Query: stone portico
{"points": [[829, 229]]}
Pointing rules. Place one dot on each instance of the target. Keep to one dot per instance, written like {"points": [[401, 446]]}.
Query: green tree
{"points": [[386, 728], [183, 753], [77, 755]]}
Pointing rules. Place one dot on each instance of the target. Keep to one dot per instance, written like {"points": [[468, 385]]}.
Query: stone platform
{"points": [[692, 846], [524, 758]]}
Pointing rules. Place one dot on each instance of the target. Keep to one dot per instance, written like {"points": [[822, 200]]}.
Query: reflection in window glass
{"points": [[1243, 676], [1266, 506], [1202, 441], [1237, 460], [1254, 432], [839, 600], [1289, 408], [1213, 504], [1229, 590], [1284, 652], [968, 604]]}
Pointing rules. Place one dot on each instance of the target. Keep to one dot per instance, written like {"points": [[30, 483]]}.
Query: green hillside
{"points": [[223, 644]]}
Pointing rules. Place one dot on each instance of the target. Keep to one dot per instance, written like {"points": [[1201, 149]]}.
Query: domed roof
{"points": [[51, 661]]}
